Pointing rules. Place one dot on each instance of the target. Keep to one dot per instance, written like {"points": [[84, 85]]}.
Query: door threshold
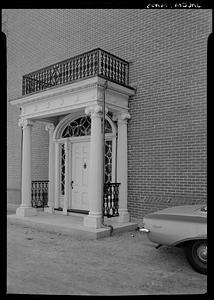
{"points": [[79, 211], [76, 211]]}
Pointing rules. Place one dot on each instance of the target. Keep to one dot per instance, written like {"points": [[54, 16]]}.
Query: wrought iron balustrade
{"points": [[39, 197], [111, 200], [93, 63], [39, 193]]}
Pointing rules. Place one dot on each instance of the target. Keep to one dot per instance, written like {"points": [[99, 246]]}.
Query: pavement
{"points": [[127, 263], [70, 225]]}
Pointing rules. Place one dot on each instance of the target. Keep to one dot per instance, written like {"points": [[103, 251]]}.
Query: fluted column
{"points": [[26, 209], [122, 166], [51, 164], [95, 193]]}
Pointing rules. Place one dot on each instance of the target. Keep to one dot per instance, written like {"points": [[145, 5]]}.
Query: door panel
{"points": [[80, 172]]}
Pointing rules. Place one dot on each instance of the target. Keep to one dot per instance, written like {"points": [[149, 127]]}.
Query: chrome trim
{"points": [[144, 230]]}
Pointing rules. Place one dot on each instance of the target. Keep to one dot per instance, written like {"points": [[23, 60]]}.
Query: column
{"points": [[67, 183], [95, 193], [51, 165], [122, 166], [26, 210]]}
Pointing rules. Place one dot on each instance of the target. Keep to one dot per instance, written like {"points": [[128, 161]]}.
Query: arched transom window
{"points": [[82, 127]]}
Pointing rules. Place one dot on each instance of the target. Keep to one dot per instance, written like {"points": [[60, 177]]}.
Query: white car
{"points": [[181, 226]]}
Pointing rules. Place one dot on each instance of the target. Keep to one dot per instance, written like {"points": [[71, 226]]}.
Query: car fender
{"points": [[183, 242]]}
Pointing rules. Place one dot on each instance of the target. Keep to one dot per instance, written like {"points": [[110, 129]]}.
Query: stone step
{"points": [[69, 225]]}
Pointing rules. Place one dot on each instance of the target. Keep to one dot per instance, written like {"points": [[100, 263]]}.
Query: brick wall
{"points": [[13, 155], [167, 132], [167, 54], [39, 154], [40, 149]]}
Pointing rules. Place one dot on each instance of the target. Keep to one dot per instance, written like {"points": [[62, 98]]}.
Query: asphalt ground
{"points": [[128, 263]]}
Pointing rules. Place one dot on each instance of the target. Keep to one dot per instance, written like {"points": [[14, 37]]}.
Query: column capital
{"points": [[49, 127], [25, 122], [95, 110], [121, 117]]}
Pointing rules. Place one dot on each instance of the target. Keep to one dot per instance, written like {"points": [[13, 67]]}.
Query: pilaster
{"points": [[122, 165], [51, 166]]}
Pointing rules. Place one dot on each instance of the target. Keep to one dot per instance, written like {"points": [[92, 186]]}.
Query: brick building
{"points": [[164, 103]]}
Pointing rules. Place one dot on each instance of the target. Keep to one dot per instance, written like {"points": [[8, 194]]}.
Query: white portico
{"points": [[74, 113]]}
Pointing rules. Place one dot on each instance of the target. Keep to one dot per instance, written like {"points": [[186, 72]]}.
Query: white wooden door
{"points": [[80, 173]]}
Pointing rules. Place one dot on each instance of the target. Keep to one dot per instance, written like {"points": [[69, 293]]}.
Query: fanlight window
{"points": [[82, 127]]}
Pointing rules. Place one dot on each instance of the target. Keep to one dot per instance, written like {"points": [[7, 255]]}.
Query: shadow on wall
{"points": [[13, 196]]}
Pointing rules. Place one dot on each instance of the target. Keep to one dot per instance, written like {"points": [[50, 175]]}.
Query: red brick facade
{"points": [[167, 51]]}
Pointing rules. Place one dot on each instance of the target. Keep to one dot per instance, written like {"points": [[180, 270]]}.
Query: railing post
{"points": [[111, 200], [39, 193], [99, 61]]}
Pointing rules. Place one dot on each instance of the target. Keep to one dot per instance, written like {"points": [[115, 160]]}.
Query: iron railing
{"points": [[111, 200], [39, 193], [96, 62], [39, 197]]}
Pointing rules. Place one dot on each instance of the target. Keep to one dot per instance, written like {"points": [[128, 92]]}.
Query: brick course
{"points": [[167, 51]]}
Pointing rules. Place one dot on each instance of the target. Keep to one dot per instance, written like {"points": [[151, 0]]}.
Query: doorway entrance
{"points": [[76, 131]]}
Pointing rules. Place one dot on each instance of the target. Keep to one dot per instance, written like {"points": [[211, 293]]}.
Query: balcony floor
{"points": [[71, 225]]}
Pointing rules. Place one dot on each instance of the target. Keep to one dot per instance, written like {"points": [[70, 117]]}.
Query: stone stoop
{"points": [[69, 225]]}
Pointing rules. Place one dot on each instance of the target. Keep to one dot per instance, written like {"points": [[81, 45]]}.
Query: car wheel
{"points": [[196, 253]]}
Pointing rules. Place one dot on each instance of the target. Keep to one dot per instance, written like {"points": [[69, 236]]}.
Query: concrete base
{"points": [[65, 212], [49, 210], [26, 211], [12, 207], [69, 225], [93, 221], [124, 217]]}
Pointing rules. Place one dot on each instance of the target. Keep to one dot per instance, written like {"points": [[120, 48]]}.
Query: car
{"points": [[181, 226]]}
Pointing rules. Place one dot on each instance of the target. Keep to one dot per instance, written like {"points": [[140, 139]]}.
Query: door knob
{"points": [[72, 184]]}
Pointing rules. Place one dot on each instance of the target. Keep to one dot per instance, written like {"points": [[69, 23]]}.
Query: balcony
{"points": [[96, 62]]}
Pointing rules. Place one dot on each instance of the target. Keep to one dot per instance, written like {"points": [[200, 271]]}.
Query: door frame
{"points": [[71, 140]]}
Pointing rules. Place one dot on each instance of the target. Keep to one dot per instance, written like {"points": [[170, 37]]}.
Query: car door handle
{"points": [[72, 184]]}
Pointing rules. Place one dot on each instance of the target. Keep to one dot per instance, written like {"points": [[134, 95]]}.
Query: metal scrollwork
{"points": [[111, 200], [108, 161], [39, 193], [93, 63], [62, 179]]}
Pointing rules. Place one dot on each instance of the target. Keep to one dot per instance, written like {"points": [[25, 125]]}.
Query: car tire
{"points": [[196, 253]]}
